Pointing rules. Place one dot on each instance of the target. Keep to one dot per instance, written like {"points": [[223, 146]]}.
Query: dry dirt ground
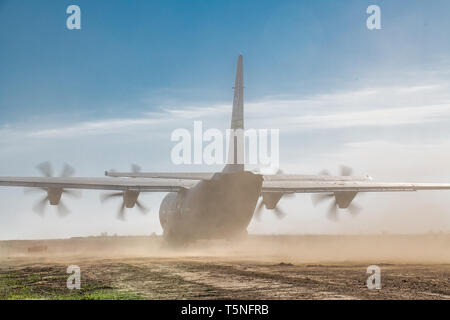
{"points": [[260, 267]]}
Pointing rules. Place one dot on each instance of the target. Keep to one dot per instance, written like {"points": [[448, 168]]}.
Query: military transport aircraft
{"points": [[212, 204]]}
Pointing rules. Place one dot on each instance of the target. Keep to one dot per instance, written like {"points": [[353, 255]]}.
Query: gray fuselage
{"points": [[218, 208]]}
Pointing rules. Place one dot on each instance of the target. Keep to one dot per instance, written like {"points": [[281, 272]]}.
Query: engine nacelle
{"points": [[270, 199], [344, 198], [130, 197], [54, 195]]}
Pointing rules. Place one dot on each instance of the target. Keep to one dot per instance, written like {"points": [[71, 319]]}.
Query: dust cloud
{"points": [[382, 248]]}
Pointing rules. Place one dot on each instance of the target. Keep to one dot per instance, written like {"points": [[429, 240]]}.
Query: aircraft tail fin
{"points": [[236, 143], [237, 119]]}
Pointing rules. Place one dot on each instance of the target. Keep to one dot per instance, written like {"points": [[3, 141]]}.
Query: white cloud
{"points": [[380, 117], [94, 128], [382, 106]]}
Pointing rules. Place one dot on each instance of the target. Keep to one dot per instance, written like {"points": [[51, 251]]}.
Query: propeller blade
{"points": [[258, 211], [332, 212], [62, 209], [33, 190], [72, 193], [144, 209], [67, 171], [319, 197], [121, 213], [135, 168], [333, 209], [280, 214], [346, 171], [106, 196], [354, 209], [40, 206], [46, 169]]}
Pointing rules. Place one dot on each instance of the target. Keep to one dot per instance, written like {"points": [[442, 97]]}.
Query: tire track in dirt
{"points": [[216, 280], [196, 278], [226, 278]]}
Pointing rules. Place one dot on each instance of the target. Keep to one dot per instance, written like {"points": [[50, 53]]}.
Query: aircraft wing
{"points": [[141, 185], [210, 175], [174, 185], [163, 175], [313, 177], [329, 186]]}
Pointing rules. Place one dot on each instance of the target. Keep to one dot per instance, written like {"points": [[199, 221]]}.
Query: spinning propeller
{"points": [[280, 214], [336, 197], [130, 199], [53, 195], [270, 201], [134, 169]]}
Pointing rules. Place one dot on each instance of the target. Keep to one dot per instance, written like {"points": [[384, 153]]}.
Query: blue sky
{"points": [[110, 94], [186, 50]]}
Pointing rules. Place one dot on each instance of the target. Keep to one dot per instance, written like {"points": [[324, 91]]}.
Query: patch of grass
{"points": [[43, 283]]}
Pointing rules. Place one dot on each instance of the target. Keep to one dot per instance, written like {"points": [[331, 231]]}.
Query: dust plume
{"points": [[373, 249]]}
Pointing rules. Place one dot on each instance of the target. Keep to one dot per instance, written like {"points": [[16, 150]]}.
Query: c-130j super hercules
{"points": [[216, 204]]}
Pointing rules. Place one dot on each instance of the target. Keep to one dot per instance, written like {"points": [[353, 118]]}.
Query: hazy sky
{"points": [[110, 94]]}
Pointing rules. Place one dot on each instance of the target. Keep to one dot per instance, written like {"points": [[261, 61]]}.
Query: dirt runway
{"points": [[257, 268]]}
